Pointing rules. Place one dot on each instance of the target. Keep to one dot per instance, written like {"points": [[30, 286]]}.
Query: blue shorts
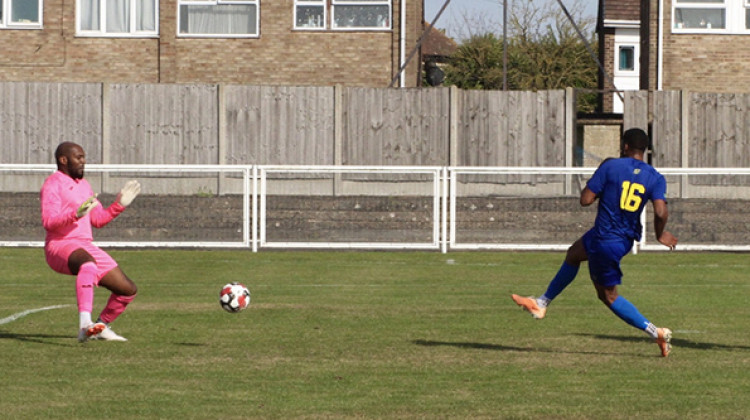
{"points": [[604, 258]]}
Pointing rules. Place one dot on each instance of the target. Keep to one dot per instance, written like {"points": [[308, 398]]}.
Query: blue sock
{"points": [[629, 313], [562, 279]]}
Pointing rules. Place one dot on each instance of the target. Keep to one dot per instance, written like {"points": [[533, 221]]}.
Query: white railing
{"points": [[445, 185]]}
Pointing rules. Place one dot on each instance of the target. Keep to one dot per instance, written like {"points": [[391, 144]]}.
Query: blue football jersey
{"points": [[624, 186]]}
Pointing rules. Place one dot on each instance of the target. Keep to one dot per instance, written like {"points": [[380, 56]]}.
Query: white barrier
{"points": [[446, 186]]}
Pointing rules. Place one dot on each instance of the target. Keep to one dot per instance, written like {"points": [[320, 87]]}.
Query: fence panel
{"points": [[635, 109], [512, 128], [667, 129], [279, 124], [163, 124], [395, 126], [36, 117]]}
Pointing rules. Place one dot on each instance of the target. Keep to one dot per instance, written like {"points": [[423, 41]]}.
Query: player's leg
{"points": [[111, 277], [83, 266], [123, 292], [565, 275], [606, 275], [568, 270]]}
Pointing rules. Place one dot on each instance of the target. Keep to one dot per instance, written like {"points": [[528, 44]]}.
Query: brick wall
{"points": [[280, 56], [608, 61], [702, 63]]}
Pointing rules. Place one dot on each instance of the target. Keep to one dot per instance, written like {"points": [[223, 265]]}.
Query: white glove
{"points": [[86, 207], [128, 192]]}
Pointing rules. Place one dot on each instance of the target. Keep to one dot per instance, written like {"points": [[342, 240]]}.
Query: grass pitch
{"points": [[376, 335]]}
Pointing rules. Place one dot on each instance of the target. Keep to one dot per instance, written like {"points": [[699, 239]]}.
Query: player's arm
{"points": [[661, 214], [55, 213], [100, 217], [587, 197]]}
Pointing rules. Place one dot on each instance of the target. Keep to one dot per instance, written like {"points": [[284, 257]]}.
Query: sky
{"points": [[488, 10]]}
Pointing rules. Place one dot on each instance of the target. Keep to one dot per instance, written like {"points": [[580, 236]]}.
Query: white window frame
{"points": [[340, 3], [181, 3], [734, 17], [311, 3], [7, 12], [618, 70], [102, 33]]}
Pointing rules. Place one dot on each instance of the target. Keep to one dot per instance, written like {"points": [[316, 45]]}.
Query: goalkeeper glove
{"points": [[128, 192], [86, 207]]}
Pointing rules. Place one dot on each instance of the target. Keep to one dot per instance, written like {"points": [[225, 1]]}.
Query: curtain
{"points": [[236, 19], [118, 16], [90, 15], [146, 15]]}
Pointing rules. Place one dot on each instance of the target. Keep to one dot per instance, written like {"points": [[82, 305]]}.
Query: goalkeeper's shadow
{"points": [[49, 339]]}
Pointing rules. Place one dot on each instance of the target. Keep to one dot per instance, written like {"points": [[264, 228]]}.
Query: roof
{"points": [[437, 43]]}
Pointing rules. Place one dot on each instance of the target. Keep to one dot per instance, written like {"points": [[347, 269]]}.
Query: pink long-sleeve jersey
{"points": [[61, 196]]}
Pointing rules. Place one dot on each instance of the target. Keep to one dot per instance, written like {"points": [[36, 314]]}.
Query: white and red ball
{"points": [[234, 297]]}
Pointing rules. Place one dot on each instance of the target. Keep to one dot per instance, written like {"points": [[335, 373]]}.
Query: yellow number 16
{"points": [[630, 198]]}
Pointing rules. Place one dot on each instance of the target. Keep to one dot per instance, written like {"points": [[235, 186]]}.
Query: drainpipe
{"points": [[402, 43], [660, 48]]}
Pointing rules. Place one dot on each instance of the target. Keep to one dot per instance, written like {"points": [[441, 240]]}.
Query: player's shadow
{"points": [[34, 338], [468, 345], [676, 342], [500, 347]]}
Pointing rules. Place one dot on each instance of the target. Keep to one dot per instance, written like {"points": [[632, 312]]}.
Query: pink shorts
{"points": [[58, 252]]}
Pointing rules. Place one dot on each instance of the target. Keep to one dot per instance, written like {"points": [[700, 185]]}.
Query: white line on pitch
{"points": [[22, 314]]}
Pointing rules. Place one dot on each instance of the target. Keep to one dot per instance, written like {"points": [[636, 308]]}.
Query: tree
{"points": [[544, 52]]}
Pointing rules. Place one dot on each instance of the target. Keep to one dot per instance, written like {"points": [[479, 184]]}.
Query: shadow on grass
{"points": [[34, 338], [676, 342], [499, 347]]}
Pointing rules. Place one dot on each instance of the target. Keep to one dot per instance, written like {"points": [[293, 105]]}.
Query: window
{"points": [[626, 58], [117, 18], [711, 16], [218, 18], [310, 14], [345, 14], [21, 14], [361, 14]]}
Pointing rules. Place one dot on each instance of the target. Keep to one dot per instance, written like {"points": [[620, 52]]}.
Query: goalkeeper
{"points": [[69, 209]]}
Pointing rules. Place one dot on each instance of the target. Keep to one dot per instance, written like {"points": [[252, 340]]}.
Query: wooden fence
{"points": [[234, 124], [239, 124]]}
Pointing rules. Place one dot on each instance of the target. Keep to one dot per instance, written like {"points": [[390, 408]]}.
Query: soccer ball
{"points": [[234, 297]]}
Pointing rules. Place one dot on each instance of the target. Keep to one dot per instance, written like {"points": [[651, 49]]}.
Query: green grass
{"points": [[377, 335]]}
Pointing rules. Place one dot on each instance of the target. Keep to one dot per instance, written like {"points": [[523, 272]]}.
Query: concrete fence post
{"points": [[684, 140], [222, 136], [106, 133], [338, 135], [570, 135]]}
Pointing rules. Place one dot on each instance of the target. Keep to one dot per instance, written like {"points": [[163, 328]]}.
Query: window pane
{"points": [[699, 18], [146, 15], [118, 16], [310, 17], [24, 11], [89, 15], [370, 16], [235, 19], [627, 55], [700, 1]]}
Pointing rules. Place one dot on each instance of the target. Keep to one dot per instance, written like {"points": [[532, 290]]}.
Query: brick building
{"points": [[701, 46], [279, 42]]}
